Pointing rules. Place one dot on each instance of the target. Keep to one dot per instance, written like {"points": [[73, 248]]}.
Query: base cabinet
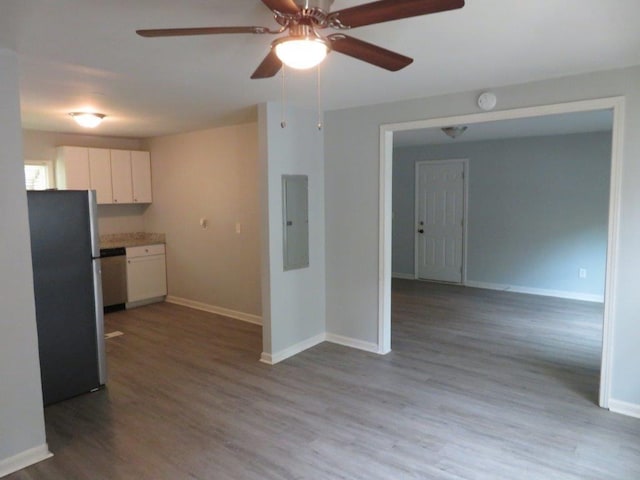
{"points": [[146, 274]]}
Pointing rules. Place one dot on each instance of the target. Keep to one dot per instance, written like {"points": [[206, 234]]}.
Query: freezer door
{"points": [[65, 293]]}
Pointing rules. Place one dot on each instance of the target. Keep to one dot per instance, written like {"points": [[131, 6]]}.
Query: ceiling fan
{"points": [[304, 47]]}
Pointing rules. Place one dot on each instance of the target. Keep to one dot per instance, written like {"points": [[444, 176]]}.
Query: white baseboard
{"points": [[266, 358], [273, 358], [586, 297], [245, 317], [352, 342], [24, 459], [146, 301], [624, 408], [405, 276]]}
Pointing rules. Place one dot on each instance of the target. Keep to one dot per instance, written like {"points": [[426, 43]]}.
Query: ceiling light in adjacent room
{"points": [[454, 132], [87, 119]]}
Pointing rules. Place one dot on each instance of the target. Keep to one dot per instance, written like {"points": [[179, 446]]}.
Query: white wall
{"points": [[22, 435], [40, 145], [210, 174], [293, 301], [352, 147]]}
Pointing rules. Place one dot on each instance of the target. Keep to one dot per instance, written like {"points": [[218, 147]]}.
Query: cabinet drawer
{"points": [[144, 250]]}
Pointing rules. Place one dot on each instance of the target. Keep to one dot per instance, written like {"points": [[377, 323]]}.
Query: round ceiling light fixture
{"points": [[301, 53], [455, 131], [303, 48], [87, 119]]}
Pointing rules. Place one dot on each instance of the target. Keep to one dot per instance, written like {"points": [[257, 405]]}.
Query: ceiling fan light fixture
{"points": [[301, 53], [87, 119]]}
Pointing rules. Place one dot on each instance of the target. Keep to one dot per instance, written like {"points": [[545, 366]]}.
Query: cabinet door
{"points": [[121, 176], [100, 172], [73, 168], [141, 177], [146, 278]]}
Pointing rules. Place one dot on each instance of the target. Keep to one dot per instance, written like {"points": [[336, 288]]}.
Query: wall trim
{"points": [[624, 408], [146, 301], [354, 342], [615, 104], [225, 312], [273, 358], [24, 459], [405, 276], [586, 297], [266, 358]]}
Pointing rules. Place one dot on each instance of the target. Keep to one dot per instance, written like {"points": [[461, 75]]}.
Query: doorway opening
{"points": [[613, 105]]}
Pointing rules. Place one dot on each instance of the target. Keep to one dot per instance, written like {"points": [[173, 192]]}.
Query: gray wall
{"points": [[21, 415], [352, 152], [537, 213], [293, 301]]}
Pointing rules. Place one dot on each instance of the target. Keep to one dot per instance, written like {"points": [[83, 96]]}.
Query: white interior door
{"points": [[440, 213]]}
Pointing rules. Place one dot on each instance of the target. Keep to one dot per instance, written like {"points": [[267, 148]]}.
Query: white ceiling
{"points": [[559, 124], [78, 54]]}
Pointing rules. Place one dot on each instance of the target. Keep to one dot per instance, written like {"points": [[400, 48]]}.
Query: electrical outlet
{"points": [[583, 273]]}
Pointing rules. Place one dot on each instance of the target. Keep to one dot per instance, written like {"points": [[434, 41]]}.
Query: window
{"points": [[38, 175]]}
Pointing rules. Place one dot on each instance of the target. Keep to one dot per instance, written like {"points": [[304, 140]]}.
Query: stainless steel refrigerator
{"points": [[68, 294]]}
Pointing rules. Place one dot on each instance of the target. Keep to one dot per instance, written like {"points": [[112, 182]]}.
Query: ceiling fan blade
{"points": [[269, 66], [177, 32], [388, 10], [282, 6], [367, 52]]}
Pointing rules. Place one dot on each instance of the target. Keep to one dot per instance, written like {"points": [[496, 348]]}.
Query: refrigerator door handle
{"points": [[99, 316], [93, 223]]}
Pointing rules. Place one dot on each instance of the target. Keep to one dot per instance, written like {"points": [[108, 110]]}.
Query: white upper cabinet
{"points": [[141, 177], [121, 176], [100, 174], [72, 168], [117, 176]]}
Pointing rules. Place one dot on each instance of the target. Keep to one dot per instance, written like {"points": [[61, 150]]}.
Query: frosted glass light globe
{"points": [[301, 53], [87, 120]]}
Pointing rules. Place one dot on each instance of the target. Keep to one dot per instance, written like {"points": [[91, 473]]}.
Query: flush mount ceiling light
{"points": [[454, 132], [87, 119], [301, 50]]}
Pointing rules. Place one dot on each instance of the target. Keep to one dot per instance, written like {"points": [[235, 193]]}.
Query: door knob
{"points": [[421, 231]]}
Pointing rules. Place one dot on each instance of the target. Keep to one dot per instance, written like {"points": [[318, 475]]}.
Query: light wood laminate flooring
{"points": [[480, 385]]}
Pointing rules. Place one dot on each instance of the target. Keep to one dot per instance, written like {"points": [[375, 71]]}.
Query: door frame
{"points": [[615, 104], [465, 212]]}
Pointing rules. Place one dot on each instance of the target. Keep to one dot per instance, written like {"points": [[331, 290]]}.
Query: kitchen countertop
{"points": [[115, 240]]}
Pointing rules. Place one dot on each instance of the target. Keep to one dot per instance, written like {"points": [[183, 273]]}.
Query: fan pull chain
{"points": [[283, 119], [320, 119]]}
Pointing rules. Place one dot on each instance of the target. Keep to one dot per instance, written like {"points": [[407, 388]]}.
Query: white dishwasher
{"points": [[146, 275]]}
